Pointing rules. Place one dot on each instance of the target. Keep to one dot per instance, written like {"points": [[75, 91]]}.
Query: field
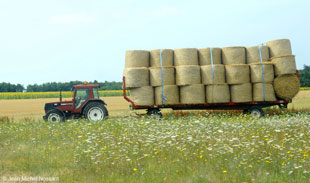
{"points": [[182, 147]]}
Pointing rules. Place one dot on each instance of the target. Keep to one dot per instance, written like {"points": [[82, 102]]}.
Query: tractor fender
{"points": [[91, 101]]}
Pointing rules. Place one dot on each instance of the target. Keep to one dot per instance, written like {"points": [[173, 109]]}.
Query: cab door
{"points": [[80, 98]]}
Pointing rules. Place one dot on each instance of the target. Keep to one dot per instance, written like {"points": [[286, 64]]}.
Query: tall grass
{"points": [[188, 148]]}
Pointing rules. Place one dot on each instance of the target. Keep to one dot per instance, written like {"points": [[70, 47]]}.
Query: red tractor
{"points": [[85, 102]]}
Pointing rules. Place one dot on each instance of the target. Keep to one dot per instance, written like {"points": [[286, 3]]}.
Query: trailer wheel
{"points": [[256, 112], [95, 111], [154, 113], [54, 116]]}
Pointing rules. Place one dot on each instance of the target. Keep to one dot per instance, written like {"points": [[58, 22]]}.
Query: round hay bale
{"points": [[185, 56], [218, 93], [253, 56], [284, 65], [241, 92], [237, 74], [137, 77], [258, 92], [279, 47], [233, 55], [171, 93], [167, 57], [142, 95], [218, 76], [286, 86], [187, 75], [168, 76], [205, 56], [137, 58], [192, 94], [257, 74]]}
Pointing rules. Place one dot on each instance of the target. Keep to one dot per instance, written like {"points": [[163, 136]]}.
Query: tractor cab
{"points": [[85, 102]]}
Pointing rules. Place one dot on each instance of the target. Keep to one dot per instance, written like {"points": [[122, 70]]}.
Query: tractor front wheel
{"points": [[95, 112], [55, 116]]}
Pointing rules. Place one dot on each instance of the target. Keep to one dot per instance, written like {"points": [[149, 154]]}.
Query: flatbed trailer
{"points": [[254, 108]]}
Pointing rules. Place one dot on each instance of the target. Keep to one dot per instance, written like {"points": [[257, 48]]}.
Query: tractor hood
{"points": [[53, 105]]}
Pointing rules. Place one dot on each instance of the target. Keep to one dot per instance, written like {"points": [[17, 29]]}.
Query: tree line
{"points": [[304, 77], [56, 86]]}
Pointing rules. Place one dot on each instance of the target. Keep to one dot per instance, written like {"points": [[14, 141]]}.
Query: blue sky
{"points": [[63, 40]]}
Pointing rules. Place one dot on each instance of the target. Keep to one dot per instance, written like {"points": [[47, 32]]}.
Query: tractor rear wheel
{"points": [[55, 116], [95, 111]]}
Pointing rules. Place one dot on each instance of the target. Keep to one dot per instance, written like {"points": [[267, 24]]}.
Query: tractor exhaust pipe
{"points": [[60, 96]]}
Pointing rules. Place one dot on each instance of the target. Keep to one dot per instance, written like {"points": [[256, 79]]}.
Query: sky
{"points": [[67, 40]]}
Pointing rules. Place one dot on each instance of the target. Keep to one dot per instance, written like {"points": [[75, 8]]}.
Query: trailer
{"points": [[254, 108]]}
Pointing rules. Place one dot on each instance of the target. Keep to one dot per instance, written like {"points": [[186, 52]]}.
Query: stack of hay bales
{"points": [[212, 75], [137, 77], [286, 83]]}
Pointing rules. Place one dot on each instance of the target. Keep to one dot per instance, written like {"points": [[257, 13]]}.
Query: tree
{"points": [[304, 76]]}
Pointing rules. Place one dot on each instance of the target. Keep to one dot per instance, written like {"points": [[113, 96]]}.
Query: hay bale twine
{"points": [[257, 74], [237, 74], [185, 56], [284, 65], [258, 92], [167, 57], [205, 56], [233, 55], [286, 86], [137, 77], [142, 95], [137, 58], [253, 56], [218, 74], [187, 75], [241, 92], [279, 47], [218, 93], [168, 76], [192, 94], [171, 92]]}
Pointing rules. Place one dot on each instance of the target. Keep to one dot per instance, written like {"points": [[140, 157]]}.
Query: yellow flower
{"points": [[135, 169], [224, 171]]}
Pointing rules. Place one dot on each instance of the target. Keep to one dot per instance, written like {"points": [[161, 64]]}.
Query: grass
{"points": [[179, 148]]}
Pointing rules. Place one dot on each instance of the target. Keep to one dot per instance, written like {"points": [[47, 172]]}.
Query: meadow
{"points": [[185, 146], [179, 148]]}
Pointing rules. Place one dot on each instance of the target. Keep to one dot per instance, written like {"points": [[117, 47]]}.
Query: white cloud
{"points": [[72, 19]]}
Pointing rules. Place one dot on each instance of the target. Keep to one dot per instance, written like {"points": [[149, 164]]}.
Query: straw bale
{"points": [[233, 55], [237, 74], [167, 57], [286, 86], [192, 94], [168, 76], [284, 65], [137, 77], [171, 93], [258, 92], [279, 47], [218, 76], [137, 58], [241, 92], [187, 75], [142, 95], [218, 93], [185, 56], [253, 56], [205, 56], [257, 74]]}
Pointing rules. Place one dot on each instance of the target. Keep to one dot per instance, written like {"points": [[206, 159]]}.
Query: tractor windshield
{"points": [[96, 92]]}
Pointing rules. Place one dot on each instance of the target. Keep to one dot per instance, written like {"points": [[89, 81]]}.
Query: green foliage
{"points": [[197, 148], [8, 87], [304, 76]]}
